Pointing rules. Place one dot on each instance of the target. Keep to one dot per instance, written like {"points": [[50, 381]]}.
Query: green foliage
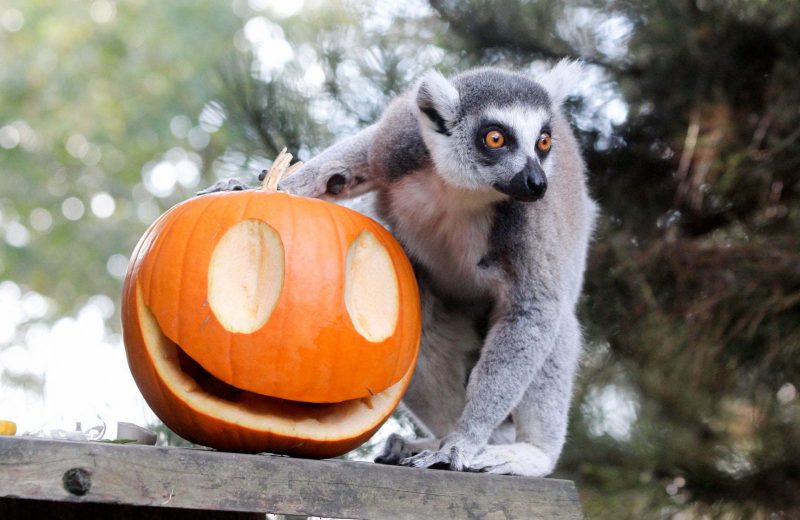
{"points": [[693, 286], [94, 102]]}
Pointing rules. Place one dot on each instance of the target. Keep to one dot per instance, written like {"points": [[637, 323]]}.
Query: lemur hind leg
{"points": [[540, 418], [436, 394]]}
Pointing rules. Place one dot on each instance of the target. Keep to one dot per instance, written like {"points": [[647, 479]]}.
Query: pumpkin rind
{"points": [[309, 330], [307, 382]]}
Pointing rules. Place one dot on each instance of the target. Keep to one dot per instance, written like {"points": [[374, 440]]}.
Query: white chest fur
{"points": [[446, 229]]}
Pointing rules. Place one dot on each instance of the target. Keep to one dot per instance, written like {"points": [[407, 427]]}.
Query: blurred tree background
{"points": [[687, 404]]}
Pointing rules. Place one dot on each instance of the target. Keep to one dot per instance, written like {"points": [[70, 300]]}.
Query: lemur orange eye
{"points": [[494, 139], [544, 142]]}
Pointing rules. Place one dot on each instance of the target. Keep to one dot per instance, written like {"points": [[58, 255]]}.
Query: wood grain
{"points": [[180, 478]]}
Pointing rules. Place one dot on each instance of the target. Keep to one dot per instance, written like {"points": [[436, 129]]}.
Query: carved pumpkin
{"points": [[261, 321]]}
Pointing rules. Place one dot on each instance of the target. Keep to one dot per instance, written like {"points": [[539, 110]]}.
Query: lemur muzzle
{"points": [[528, 184]]}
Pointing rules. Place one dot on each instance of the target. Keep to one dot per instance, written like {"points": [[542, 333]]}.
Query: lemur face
{"points": [[489, 130]]}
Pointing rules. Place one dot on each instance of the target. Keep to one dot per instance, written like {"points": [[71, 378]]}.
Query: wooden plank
{"points": [[183, 478], [20, 509]]}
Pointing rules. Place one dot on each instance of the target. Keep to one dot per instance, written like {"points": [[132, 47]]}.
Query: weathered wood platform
{"points": [[60, 480]]}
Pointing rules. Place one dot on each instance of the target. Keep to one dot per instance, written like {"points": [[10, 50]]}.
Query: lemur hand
{"points": [[225, 185], [318, 178], [342, 171], [455, 453]]}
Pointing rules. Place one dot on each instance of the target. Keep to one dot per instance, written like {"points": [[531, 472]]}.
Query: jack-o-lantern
{"points": [[261, 321]]}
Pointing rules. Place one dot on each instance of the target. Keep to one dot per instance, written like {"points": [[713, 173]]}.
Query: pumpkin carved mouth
{"points": [[303, 424]]}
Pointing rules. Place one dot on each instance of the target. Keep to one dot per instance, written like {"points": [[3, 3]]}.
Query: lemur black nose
{"points": [[528, 184], [537, 185]]}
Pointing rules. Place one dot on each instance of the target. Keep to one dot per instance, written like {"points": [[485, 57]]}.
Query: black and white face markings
{"points": [[495, 139], [503, 127], [512, 143], [487, 130]]}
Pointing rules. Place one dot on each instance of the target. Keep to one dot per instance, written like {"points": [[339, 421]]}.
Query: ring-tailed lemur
{"points": [[481, 180]]}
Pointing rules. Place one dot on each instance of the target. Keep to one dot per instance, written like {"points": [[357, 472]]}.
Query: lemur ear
{"points": [[562, 80], [437, 99]]}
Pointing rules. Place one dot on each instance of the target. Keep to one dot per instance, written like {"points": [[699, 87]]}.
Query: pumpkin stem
{"points": [[280, 167]]}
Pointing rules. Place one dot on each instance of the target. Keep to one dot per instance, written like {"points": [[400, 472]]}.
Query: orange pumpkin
{"points": [[261, 321]]}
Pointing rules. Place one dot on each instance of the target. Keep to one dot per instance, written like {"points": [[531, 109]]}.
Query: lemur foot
{"points": [[398, 448], [394, 450], [513, 459], [225, 185]]}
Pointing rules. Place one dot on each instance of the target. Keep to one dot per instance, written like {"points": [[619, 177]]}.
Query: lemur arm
{"points": [[339, 172], [515, 351], [522, 337]]}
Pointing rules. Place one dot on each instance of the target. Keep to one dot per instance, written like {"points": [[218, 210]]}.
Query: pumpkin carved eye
{"points": [[371, 293], [494, 139], [245, 276], [544, 143]]}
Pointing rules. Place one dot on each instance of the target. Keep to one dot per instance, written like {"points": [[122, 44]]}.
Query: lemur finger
{"points": [[307, 181], [458, 459], [428, 459], [393, 450], [225, 185]]}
